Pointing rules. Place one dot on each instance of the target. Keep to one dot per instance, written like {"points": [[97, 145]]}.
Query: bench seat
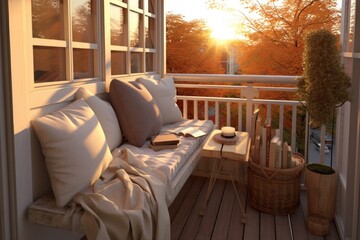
{"points": [[177, 165]]}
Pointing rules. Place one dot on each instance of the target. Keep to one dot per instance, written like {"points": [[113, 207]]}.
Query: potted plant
{"points": [[324, 87]]}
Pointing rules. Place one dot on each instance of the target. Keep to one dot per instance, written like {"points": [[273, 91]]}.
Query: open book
{"points": [[189, 132]]}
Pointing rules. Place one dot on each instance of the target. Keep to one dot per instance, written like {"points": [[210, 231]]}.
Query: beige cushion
{"points": [[75, 149], [106, 116], [164, 93], [137, 112]]}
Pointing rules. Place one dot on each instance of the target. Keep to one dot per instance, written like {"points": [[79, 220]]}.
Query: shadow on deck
{"points": [[222, 216]]}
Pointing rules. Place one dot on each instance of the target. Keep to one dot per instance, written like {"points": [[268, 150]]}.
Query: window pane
{"points": [[48, 19], [149, 32], [118, 63], [83, 20], [351, 25], [135, 27], [118, 25], [136, 4], [150, 62], [83, 63], [136, 62], [151, 6], [49, 64]]}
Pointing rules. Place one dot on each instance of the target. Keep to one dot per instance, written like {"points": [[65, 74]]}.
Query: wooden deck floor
{"points": [[222, 216]]}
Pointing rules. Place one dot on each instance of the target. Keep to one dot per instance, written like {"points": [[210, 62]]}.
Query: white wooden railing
{"points": [[249, 87]]}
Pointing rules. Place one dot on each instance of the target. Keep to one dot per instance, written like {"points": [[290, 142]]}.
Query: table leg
{"points": [[214, 174], [243, 214]]}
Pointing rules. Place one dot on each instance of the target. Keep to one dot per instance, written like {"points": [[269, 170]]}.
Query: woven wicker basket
{"points": [[275, 191]]}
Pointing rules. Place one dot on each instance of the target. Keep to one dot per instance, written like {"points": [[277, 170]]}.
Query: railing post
{"points": [[249, 93]]}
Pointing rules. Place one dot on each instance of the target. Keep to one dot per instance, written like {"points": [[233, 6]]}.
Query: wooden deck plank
{"points": [[282, 228], [303, 201], [187, 224], [223, 220], [252, 226], [267, 226], [179, 221], [194, 219], [298, 225], [176, 205], [333, 233], [236, 228], [211, 212]]}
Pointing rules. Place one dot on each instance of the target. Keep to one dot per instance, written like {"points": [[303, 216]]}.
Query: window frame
{"points": [[128, 49], [102, 48], [69, 45]]}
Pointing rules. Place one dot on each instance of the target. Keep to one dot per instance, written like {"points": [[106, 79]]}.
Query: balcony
{"points": [[236, 98]]}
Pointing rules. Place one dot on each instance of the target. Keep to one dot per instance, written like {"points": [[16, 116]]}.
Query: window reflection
{"points": [[118, 63], [83, 63], [118, 25], [151, 6], [49, 64], [83, 20], [150, 62], [351, 25], [149, 32], [48, 19], [136, 62], [135, 23]]}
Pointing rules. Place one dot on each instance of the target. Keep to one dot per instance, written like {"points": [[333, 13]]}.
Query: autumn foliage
{"points": [[273, 43], [189, 47]]}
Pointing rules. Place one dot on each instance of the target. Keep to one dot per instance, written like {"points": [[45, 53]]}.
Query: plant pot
{"points": [[321, 195]]}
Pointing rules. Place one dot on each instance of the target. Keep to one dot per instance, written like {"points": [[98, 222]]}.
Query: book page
{"points": [[189, 131]]}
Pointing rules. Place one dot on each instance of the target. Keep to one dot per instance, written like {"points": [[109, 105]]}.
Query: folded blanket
{"points": [[128, 203]]}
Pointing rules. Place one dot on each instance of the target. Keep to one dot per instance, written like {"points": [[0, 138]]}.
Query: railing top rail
{"points": [[233, 87], [235, 78], [239, 100]]}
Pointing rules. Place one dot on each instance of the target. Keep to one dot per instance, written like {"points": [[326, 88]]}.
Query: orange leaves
{"points": [[189, 48]]}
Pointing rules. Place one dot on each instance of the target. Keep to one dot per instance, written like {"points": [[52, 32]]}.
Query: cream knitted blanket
{"points": [[128, 203]]}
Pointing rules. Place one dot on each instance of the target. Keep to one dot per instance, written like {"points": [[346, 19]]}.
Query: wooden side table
{"points": [[237, 153]]}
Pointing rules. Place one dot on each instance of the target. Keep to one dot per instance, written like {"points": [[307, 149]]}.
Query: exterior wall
{"points": [[348, 128], [30, 177]]}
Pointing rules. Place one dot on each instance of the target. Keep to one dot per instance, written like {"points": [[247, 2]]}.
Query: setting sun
{"points": [[222, 26]]}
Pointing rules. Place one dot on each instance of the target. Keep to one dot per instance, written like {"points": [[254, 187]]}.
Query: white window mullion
{"points": [[128, 53], [143, 39], [107, 42], [68, 39], [98, 39]]}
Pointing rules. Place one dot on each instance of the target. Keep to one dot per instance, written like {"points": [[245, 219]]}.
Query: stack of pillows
{"points": [[77, 140]]}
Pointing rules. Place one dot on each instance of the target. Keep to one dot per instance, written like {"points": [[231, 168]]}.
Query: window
{"points": [[65, 49], [132, 34], [68, 40]]}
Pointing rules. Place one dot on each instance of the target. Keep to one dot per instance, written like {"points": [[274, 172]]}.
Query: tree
{"points": [[189, 48], [275, 32]]}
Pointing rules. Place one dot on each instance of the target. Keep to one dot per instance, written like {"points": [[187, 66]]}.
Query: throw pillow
{"points": [[75, 149], [164, 93], [106, 116], [137, 112]]}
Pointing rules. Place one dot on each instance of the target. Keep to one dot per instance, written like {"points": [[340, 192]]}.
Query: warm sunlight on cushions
{"points": [[106, 116], [75, 149], [137, 111], [164, 93]]}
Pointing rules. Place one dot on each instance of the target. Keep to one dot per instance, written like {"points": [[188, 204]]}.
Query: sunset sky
{"points": [[222, 23]]}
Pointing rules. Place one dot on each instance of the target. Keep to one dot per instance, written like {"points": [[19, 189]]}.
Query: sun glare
{"points": [[222, 26]]}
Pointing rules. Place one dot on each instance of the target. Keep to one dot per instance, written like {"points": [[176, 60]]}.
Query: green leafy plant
{"points": [[324, 85]]}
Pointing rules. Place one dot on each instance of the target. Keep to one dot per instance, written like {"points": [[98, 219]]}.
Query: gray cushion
{"points": [[164, 93], [137, 112]]}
